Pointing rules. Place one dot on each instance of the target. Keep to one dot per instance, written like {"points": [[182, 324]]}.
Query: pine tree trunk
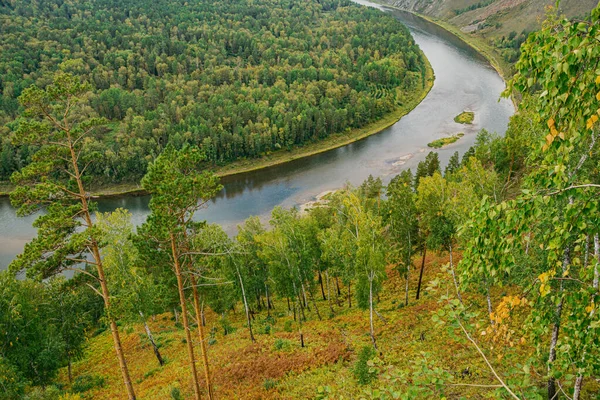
{"points": [[184, 317], [101, 276], [199, 318], [422, 269], [337, 285], [151, 339]]}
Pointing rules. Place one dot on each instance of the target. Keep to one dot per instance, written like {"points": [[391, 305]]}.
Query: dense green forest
{"points": [[239, 79], [514, 225]]}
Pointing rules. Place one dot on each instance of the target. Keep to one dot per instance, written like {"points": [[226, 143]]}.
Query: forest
{"points": [[240, 79], [477, 279]]}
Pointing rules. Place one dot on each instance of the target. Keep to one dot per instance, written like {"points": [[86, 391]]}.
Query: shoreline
{"points": [[278, 158], [476, 43]]}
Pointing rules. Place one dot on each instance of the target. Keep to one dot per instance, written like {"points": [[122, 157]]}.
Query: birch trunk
{"points": [[372, 326], [551, 384], [421, 273], [151, 339]]}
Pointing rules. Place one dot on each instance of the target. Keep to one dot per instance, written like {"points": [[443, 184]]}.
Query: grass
{"points": [[466, 117], [277, 367], [439, 143], [410, 101]]}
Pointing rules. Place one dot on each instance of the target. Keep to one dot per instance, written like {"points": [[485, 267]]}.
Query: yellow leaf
{"points": [[598, 80], [598, 96], [550, 122], [589, 309]]}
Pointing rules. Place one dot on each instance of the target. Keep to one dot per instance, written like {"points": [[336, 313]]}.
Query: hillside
{"points": [[502, 23], [475, 279], [276, 367]]}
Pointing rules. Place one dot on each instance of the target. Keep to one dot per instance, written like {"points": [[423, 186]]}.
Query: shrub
{"points": [[282, 344], [176, 394], [287, 326], [84, 383], [269, 384], [362, 371]]}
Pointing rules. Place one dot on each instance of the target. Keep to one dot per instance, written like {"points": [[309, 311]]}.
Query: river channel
{"points": [[464, 80]]}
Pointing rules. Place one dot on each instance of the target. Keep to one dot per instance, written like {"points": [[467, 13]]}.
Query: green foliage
{"points": [[269, 384], [466, 117], [439, 143], [238, 79], [363, 372], [84, 383], [176, 394], [282, 345], [11, 381], [31, 345]]}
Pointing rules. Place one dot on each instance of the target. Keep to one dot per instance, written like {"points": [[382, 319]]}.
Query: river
{"points": [[464, 80]]}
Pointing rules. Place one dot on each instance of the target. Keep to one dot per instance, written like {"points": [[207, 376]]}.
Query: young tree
{"points": [[137, 294], [403, 222], [57, 122], [365, 245], [179, 189], [552, 221]]}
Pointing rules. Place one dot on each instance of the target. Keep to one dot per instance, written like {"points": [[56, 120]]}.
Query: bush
{"points": [[362, 371], [38, 393], [269, 384], [282, 344], [176, 394], [84, 383], [287, 326], [11, 381]]}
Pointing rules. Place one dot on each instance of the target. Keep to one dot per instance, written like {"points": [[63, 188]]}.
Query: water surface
{"points": [[463, 81]]}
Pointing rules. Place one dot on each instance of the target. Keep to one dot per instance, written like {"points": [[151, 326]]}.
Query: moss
{"points": [[439, 143], [466, 117]]}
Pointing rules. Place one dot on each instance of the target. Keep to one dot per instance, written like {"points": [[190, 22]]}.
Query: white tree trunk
{"points": [[247, 309], [454, 275], [371, 311]]}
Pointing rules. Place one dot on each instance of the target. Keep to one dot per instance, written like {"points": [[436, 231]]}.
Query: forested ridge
{"points": [[239, 79], [480, 278]]}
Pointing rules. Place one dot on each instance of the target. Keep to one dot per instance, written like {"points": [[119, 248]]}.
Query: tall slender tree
{"points": [[58, 124], [179, 188]]}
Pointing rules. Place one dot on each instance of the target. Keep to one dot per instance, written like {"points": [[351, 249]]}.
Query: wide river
{"points": [[463, 81]]}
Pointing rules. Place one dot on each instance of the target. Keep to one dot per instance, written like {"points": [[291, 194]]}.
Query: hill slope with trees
{"points": [[239, 79], [481, 281]]}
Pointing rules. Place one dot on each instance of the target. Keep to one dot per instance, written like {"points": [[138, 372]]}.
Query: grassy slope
{"points": [[411, 101], [241, 368]]}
